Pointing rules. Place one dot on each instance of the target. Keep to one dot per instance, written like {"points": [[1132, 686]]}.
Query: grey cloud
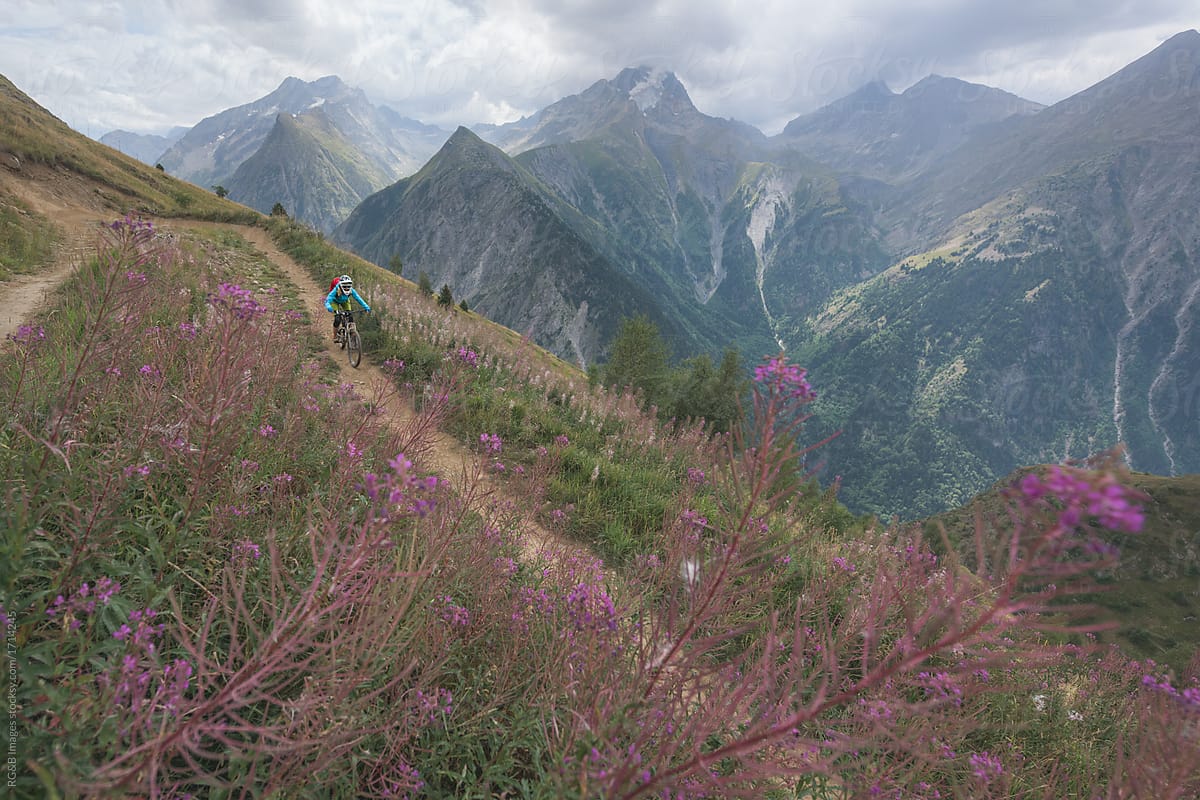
{"points": [[465, 61]]}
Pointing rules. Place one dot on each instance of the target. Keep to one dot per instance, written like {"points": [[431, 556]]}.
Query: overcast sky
{"points": [[146, 65]]}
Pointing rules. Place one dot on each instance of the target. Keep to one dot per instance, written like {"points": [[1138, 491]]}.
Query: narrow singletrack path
{"points": [[447, 457], [79, 221]]}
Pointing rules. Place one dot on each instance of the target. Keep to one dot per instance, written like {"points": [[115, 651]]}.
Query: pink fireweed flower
{"points": [[244, 552], [400, 489], [1084, 495], [133, 224], [941, 685], [83, 602], [786, 379], [591, 608], [431, 706], [468, 357], [28, 334], [492, 443], [648, 562], [176, 677], [238, 300], [985, 767], [266, 431], [150, 371], [454, 614], [407, 780]]}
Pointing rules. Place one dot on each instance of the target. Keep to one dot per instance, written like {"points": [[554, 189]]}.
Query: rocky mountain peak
{"points": [[651, 88]]}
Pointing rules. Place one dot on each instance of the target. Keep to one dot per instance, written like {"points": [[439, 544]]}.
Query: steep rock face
{"points": [[1152, 100], [212, 150], [519, 263], [1052, 321], [877, 133], [636, 156], [306, 165], [957, 364]]}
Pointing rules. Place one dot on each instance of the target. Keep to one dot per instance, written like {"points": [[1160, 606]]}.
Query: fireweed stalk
{"points": [[295, 684], [725, 702]]}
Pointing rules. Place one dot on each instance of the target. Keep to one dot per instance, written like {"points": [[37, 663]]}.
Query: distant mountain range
{"points": [[145, 147], [975, 281], [318, 147]]}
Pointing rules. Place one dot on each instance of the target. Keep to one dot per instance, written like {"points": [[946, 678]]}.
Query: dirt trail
{"points": [[79, 221], [447, 457], [80, 217]]}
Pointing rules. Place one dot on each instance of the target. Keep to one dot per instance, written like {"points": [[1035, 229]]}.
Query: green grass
{"points": [[125, 184], [1154, 593], [27, 239]]}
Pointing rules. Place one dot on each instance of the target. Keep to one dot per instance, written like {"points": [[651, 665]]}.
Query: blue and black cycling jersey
{"points": [[338, 301]]}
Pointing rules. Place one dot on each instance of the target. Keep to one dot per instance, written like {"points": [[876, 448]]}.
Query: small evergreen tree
{"points": [[395, 265], [711, 393], [639, 358], [160, 168], [445, 298], [220, 190], [424, 284], [278, 210], [463, 306]]}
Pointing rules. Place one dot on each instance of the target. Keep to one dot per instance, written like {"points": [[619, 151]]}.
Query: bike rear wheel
{"points": [[353, 348]]}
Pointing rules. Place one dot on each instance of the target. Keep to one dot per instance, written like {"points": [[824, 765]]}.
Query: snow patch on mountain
{"points": [[647, 92]]}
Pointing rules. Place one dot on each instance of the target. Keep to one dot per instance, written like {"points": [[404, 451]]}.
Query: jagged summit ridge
{"points": [[650, 87]]}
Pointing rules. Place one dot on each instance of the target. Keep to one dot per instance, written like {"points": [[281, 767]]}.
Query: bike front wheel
{"points": [[353, 348]]}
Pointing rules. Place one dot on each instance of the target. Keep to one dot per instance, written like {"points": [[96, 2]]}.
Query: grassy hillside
{"points": [[1154, 591], [33, 136], [26, 237]]}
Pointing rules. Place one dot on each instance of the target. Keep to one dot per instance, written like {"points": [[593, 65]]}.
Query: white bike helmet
{"points": [[345, 283]]}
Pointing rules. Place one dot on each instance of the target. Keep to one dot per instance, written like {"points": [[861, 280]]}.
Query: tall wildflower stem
{"points": [[124, 246], [754, 472]]}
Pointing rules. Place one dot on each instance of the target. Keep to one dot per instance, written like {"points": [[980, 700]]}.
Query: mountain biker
{"points": [[339, 298]]}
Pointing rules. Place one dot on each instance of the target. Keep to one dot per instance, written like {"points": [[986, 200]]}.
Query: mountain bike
{"points": [[348, 338]]}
